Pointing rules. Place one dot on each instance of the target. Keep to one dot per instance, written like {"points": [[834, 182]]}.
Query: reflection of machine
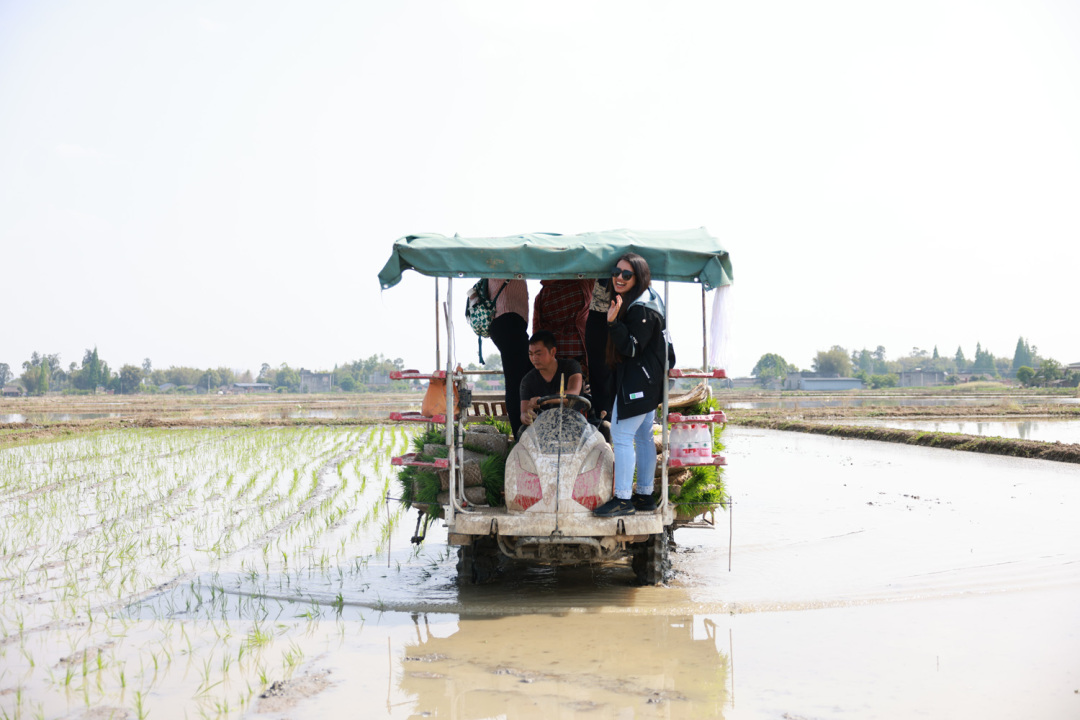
{"points": [[523, 666], [561, 469]]}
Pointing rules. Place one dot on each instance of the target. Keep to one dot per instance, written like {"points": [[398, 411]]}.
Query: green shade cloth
{"points": [[679, 256]]}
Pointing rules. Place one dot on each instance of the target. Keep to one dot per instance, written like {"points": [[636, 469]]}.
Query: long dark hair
{"points": [[643, 279]]}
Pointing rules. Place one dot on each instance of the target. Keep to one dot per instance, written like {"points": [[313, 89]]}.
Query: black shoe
{"points": [[643, 503], [615, 507]]}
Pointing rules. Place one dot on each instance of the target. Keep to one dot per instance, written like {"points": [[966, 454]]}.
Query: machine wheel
{"points": [[650, 558], [479, 563]]}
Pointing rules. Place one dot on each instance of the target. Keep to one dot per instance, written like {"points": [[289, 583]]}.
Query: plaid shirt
{"points": [[562, 306]]}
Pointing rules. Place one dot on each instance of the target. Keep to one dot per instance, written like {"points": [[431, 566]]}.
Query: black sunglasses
{"points": [[626, 274]]}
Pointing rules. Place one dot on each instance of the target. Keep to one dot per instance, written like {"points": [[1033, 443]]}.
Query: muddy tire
{"points": [[480, 562], [650, 559]]}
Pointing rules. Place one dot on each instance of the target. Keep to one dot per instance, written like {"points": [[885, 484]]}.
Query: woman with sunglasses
{"points": [[635, 354]]}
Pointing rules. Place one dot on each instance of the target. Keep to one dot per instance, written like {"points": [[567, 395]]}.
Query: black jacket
{"points": [[638, 337]]}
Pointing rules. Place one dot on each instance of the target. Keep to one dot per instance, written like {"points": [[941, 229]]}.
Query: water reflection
{"points": [[364, 412], [832, 401], [301, 407], [545, 666], [367, 412], [1041, 430], [55, 417]]}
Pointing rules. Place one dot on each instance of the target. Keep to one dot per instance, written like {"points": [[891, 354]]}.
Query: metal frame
{"points": [[454, 439]]}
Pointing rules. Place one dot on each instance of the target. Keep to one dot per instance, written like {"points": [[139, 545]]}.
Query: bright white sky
{"points": [[218, 184]]}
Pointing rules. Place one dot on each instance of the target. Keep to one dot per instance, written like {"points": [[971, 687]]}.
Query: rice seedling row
{"points": [[182, 571]]}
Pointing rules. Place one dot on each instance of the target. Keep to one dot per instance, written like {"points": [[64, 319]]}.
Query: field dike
{"points": [[1058, 452]]}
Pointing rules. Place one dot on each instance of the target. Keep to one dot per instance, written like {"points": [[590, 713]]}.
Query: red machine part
{"points": [[587, 485], [674, 373], [522, 483], [716, 417], [415, 375], [693, 462], [413, 459], [417, 417]]}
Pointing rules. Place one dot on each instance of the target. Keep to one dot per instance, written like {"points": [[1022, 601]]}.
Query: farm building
{"points": [[809, 381], [251, 387], [315, 382], [921, 378]]}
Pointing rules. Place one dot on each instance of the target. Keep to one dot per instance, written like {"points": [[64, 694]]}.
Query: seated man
{"points": [[547, 374]]}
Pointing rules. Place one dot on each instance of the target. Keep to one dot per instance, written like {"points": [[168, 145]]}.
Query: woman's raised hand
{"points": [[613, 309]]}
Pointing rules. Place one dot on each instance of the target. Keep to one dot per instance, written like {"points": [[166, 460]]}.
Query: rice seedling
{"points": [[139, 547]]}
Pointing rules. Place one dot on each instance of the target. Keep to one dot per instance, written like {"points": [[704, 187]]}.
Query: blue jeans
{"points": [[632, 440]]}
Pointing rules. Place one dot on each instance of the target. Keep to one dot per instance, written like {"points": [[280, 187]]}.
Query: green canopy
{"points": [[680, 256]]}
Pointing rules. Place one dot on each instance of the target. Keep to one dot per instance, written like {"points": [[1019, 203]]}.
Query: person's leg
{"points": [[629, 438], [625, 435], [645, 455], [622, 442], [508, 332]]}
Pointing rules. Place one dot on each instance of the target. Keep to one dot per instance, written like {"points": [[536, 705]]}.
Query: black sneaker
{"points": [[643, 503], [614, 507]]}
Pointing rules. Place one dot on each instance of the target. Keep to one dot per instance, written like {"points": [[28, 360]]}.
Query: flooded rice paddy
{"points": [[43, 417], [377, 406], [808, 402], [247, 411], [261, 573], [1042, 430]]}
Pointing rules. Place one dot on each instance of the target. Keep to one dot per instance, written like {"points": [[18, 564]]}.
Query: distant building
{"points": [[831, 384], [315, 382], [166, 387], [814, 382], [252, 387], [921, 378], [12, 391]]}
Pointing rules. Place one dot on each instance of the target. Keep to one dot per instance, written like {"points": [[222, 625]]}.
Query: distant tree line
{"points": [[370, 375], [44, 373], [877, 371]]}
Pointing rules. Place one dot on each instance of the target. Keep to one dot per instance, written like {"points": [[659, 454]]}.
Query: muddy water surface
{"points": [[259, 573], [867, 580], [1042, 430], [858, 401], [44, 417]]}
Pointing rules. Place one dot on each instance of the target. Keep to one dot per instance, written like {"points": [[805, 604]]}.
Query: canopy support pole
{"points": [[451, 444], [664, 451], [455, 426], [438, 356], [704, 335]]}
